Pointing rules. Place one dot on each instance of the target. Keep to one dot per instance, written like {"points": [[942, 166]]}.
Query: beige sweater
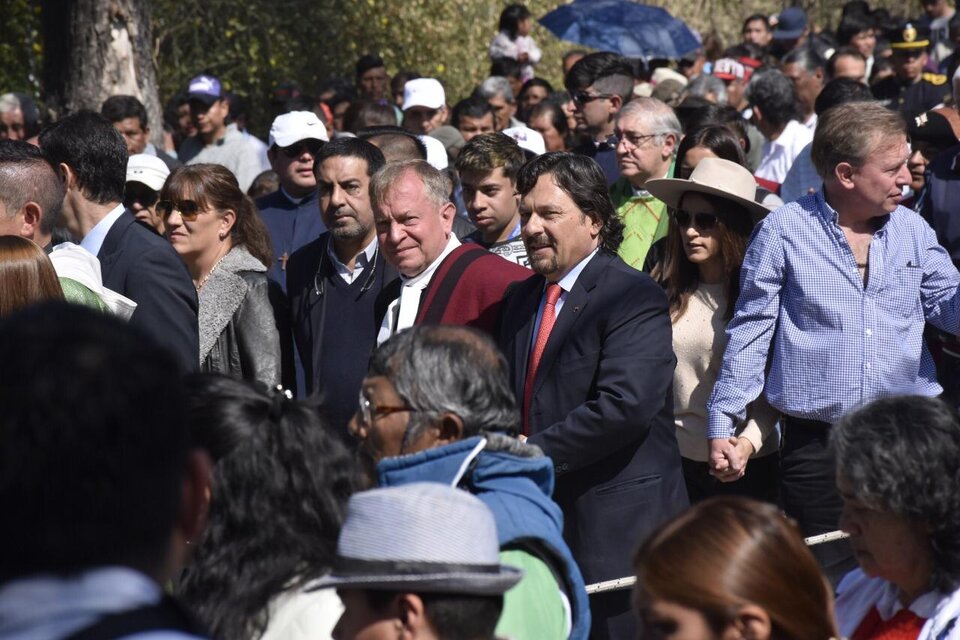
{"points": [[699, 340]]}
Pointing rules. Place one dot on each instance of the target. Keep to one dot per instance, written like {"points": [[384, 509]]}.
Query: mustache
{"points": [[538, 242]]}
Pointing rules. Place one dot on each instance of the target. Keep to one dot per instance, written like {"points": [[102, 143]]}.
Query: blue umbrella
{"points": [[629, 28]]}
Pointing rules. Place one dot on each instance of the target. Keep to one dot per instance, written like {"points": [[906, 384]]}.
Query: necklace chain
{"points": [[210, 273]]}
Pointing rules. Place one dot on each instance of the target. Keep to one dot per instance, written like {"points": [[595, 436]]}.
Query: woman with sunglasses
{"points": [[216, 230], [713, 212]]}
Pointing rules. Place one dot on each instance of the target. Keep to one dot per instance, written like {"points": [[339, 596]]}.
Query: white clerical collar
{"points": [[422, 279]]}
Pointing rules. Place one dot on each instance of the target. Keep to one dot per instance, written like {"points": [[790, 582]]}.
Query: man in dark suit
{"points": [[92, 159], [589, 343]]}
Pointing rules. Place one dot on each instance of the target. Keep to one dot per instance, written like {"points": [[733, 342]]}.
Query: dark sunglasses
{"points": [[146, 197], [188, 209], [702, 221], [296, 149], [582, 97]]}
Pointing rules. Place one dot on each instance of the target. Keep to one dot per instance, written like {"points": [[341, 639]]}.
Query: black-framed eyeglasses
{"points": [[702, 221], [582, 97], [188, 209], [145, 196], [296, 149], [368, 412]]}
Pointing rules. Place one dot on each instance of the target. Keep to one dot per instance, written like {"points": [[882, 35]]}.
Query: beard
{"points": [[544, 265]]}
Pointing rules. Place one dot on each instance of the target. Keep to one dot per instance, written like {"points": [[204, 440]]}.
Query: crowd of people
{"points": [[670, 351]]}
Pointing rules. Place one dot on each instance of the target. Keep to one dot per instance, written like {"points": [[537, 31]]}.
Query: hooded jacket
{"points": [[515, 481]]}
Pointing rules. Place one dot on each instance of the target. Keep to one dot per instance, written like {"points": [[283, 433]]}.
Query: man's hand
{"points": [[736, 452], [722, 454]]}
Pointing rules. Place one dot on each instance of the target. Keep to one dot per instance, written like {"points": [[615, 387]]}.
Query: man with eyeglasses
{"points": [[333, 282], [648, 133], [600, 84], [292, 213], [218, 139], [145, 177]]}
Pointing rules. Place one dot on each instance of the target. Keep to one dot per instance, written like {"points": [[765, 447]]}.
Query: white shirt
{"points": [[402, 312], [858, 593], [48, 607], [779, 154], [364, 258], [93, 241]]}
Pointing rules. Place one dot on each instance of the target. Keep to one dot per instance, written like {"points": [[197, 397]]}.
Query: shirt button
{"points": [[869, 332]]}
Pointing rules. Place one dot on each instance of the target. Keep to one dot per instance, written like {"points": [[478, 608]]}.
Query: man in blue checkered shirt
{"points": [[835, 290]]}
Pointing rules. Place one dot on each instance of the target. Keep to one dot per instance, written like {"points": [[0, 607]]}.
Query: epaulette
{"points": [[934, 78]]}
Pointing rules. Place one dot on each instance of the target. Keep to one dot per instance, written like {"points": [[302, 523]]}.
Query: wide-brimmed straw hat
{"points": [[714, 177], [422, 537]]}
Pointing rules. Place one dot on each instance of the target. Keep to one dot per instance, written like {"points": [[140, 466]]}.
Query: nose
{"points": [[336, 197], [848, 522], [355, 429], [173, 219], [903, 175]]}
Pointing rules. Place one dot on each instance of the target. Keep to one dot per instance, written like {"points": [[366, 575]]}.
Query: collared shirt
{"points": [[402, 312], [801, 178], [364, 258], [93, 241], [48, 607], [292, 199], [566, 283], [836, 343], [779, 154]]}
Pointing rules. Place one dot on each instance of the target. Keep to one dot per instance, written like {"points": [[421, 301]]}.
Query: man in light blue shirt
{"points": [[835, 290]]}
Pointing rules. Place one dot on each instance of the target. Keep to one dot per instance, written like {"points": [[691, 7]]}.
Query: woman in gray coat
{"points": [[216, 230]]}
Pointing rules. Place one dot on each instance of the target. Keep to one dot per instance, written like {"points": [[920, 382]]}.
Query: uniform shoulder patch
{"points": [[935, 78]]}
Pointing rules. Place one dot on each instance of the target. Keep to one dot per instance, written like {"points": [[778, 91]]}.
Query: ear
{"points": [[752, 622], [449, 429], [615, 103], [669, 145], [843, 172], [31, 213], [447, 211], [757, 114], [227, 221], [412, 615], [69, 177], [272, 157], [818, 74]]}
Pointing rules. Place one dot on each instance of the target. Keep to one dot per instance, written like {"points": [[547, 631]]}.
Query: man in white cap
{"points": [[218, 140], [291, 213], [424, 105], [435, 571], [145, 177]]}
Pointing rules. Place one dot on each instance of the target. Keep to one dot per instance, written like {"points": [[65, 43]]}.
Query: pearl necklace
{"points": [[210, 273]]}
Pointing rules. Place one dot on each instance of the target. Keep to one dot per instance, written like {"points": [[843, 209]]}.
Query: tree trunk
{"points": [[95, 49]]}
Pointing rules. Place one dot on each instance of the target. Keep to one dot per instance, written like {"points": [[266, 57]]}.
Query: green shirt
{"points": [[536, 608], [645, 221]]}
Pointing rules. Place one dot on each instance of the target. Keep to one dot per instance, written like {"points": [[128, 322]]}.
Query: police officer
{"points": [[911, 90]]}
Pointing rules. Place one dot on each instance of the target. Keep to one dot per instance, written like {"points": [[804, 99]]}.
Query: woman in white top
{"points": [[514, 41], [713, 212]]}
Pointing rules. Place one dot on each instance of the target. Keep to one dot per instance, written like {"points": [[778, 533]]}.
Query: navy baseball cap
{"points": [[205, 88]]}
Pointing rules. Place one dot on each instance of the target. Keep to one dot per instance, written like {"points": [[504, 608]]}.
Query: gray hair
{"points": [[901, 455], [436, 185], [806, 57], [851, 132], [439, 369], [26, 176], [9, 102], [655, 114], [703, 85], [495, 86]]}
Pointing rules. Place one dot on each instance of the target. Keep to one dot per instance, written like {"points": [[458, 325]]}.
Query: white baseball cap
{"points": [[528, 139], [148, 169], [290, 128], [423, 92]]}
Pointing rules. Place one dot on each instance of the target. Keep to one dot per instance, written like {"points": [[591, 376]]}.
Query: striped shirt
{"points": [[833, 343]]}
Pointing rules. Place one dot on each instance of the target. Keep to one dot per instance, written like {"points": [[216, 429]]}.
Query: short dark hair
{"points": [[841, 91], [490, 151], [86, 142], [474, 106], [842, 52], [611, 71], [452, 616], [25, 176], [395, 143], [506, 68], [773, 93], [582, 179], [446, 368], [351, 148], [117, 108], [368, 61], [93, 450], [756, 17], [902, 455], [555, 112], [851, 24]]}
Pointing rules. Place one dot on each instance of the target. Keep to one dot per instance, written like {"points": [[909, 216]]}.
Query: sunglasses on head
{"points": [[702, 221], [146, 197], [297, 148], [188, 209]]}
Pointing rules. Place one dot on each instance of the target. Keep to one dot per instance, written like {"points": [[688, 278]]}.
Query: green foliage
{"points": [[20, 49]]}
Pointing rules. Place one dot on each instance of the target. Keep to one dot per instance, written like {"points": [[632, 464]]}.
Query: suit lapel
{"points": [[573, 308], [112, 247], [528, 296]]}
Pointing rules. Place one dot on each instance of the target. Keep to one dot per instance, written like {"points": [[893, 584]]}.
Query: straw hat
{"points": [[713, 177]]}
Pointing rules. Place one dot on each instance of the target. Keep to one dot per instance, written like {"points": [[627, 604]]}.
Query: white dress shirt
{"points": [[93, 241]]}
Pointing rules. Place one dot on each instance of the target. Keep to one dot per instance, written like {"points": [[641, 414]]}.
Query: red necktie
{"points": [[906, 625], [547, 320]]}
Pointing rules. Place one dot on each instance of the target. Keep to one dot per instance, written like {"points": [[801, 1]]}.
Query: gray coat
{"points": [[238, 331]]}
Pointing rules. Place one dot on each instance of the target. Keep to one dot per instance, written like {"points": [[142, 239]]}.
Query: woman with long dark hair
{"points": [[731, 567], [279, 490], [217, 231], [713, 213]]}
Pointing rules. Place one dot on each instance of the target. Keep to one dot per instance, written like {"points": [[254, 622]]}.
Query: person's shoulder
{"points": [[934, 79], [270, 201], [944, 161]]}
